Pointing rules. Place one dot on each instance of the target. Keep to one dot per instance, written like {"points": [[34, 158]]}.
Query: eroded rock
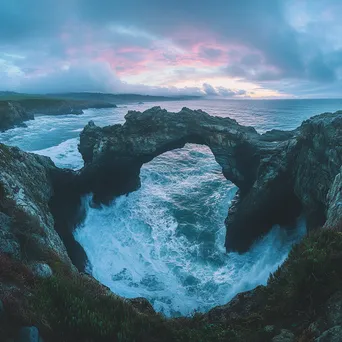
{"points": [[26, 187], [279, 174]]}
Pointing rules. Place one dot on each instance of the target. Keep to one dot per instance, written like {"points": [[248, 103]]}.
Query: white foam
{"points": [[146, 244], [165, 241], [64, 155]]}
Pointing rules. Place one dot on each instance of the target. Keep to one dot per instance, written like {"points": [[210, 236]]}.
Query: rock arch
{"points": [[264, 167]]}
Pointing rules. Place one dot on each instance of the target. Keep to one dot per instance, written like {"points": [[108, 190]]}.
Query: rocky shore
{"points": [[279, 174], [12, 114], [15, 112]]}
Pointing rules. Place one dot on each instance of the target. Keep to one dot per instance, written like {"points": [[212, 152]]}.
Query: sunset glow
{"points": [[252, 49]]}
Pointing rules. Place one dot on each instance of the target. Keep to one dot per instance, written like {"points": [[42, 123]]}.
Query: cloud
{"points": [[209, 90], [89, 77], [90, 46]]}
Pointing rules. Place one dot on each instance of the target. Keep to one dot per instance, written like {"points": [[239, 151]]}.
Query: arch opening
{"points": [[165, 241]]}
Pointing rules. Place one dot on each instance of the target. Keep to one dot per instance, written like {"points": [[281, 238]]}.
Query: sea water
{"points": [[165, 241]]}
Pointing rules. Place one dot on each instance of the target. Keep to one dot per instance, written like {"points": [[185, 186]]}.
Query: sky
{"points": [[216, 48]]}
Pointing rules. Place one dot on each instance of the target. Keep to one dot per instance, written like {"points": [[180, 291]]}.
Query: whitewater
{"points": [[165, 241]]}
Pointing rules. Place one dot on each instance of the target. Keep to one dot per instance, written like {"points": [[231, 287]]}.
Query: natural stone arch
{"points": [[267, 168], [111, 150]]}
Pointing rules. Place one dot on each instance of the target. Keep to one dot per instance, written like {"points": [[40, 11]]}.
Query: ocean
{"points": [[165, 241]]}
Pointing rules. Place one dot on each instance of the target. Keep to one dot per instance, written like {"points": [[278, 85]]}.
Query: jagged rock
{"points": [[149, 134], [26, 187], [275, 172], [318, 161], [12, 114]]}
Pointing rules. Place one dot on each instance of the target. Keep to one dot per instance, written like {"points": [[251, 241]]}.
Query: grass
{"points": [[73, 307], [311, 273]]}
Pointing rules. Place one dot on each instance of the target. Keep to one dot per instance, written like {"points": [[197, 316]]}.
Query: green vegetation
{"points": [[312, 272], [73, 307], [76, 308]]}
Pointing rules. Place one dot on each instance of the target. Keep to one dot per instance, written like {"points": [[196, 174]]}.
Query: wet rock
{"points": [[284, 336]]}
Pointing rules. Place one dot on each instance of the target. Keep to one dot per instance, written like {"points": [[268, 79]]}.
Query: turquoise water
{"points": [[165, 241]]}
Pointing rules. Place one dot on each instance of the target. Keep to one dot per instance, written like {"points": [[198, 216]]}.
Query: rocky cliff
{"points": [[12, 114], [15, 112], [26, 188], [40, 205], [279, 174]]}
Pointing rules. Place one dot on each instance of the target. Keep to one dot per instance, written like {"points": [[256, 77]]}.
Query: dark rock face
{"points": [[317, 163], [278, 173], [12, 114], [27, 225], [149, 134]]}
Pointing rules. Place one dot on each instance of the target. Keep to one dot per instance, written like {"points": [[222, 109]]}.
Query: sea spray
{"points": [[165, 241]]}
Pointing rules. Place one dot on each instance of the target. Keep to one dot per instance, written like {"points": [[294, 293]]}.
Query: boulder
{"points": [[41, 270]]}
